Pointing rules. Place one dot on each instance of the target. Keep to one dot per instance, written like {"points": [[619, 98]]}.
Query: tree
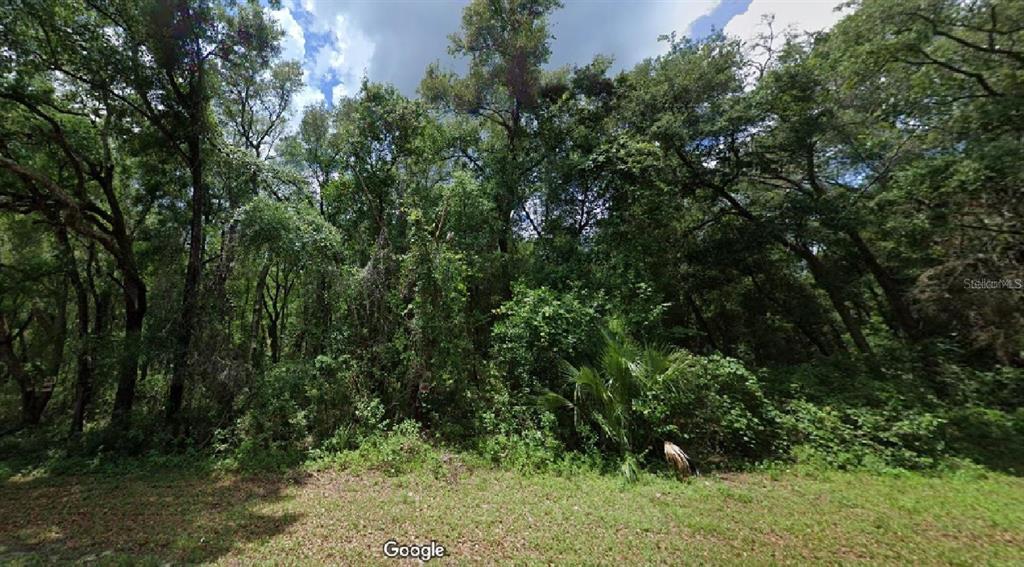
{"points": [[72, 129], [506, 42]]}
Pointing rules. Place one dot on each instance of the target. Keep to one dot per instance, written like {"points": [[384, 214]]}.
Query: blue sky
{"points": [[393, 41]]}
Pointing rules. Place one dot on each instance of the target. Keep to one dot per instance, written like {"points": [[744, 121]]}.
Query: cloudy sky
{"points": [[393, 41]]}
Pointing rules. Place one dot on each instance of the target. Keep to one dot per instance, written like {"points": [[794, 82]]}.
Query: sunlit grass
{"points": [[487, 516]]}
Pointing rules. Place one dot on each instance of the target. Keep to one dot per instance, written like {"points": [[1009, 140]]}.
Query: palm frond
{"points": [[605, 393], [552, 401]]}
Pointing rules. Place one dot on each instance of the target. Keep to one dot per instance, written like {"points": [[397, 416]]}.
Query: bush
{"points": [[637, 398], [397, 451], [537, 329], [860, 437], [713, 406], [525, 449], [275, 417], [906, 410], [1000, 387], [987, 436], [295, 406]]}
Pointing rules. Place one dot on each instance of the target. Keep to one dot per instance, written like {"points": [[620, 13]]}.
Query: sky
{"points": [[393, 41]]}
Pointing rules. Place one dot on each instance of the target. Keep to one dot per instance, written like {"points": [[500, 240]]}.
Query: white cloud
{"points": [[797, 15], [337, 66], [676, 17], [306, 5], [344, 59], [308, 96], [293, 48], [293, 43], [339, 92], [394, 41], [686, 13]]}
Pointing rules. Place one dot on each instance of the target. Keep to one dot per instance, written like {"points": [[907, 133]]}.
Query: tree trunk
{"points": [[814, 264], [128, 371], [801, 325], [900, 309], [225, 267], [256, 340], [821, 276], [190, 294], [84, 359], [702, 322], [14, 368], [894, 293], [100, 326], [275, 341], [505, 245], [33, 397]]}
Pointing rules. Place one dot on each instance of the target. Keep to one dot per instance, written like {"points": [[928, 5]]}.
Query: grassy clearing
{"points": [[487, 516]]}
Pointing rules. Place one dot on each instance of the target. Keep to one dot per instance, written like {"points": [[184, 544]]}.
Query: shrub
{"points": [[275, 417], [529, 449], [537, 329], [987, 436], [394, 452], [999, 387], [636, 398], [713, 405], [295, 406], [861, 437]]}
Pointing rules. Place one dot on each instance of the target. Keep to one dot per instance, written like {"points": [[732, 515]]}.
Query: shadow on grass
{"points": [[177, 517]]}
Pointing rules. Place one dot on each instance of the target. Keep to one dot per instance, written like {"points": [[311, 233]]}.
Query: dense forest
{"points": [[809, 246]]}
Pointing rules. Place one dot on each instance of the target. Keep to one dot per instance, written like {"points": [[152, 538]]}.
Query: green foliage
{"points": [[713, 406], [297, 406], [638, 398], [393, 452], [810, 246], [276, 416], [855, 437], [290, 233], [536, 329], [987, 436], [1000, 388], [524, 447]]}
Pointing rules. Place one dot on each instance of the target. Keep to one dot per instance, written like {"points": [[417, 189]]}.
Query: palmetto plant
{"points": [[605, 394]]}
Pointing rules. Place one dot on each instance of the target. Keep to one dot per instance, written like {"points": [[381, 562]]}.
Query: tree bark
{"points": [[798, 322], [133, 289], [190, 293], [128, 371], [816, 267], [34, 397], [702, 322], [821, 276], [83, 359], [901, 312], [894, 293], [814, 264], [256, 340], [16, 370], [275, 341]]}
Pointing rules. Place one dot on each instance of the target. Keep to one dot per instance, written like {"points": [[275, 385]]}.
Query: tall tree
{"points": [[507, 43]]}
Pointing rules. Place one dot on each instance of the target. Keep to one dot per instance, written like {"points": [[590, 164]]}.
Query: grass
{"points": [[490, 516]]}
